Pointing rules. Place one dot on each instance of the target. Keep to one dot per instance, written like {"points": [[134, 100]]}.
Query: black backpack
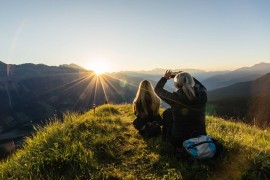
{"points": [[147, 129]]}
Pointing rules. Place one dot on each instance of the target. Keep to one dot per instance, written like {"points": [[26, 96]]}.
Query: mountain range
{"points": [[157, 73], [257, 87], [239, 75], [33, 93], [211, 79]]}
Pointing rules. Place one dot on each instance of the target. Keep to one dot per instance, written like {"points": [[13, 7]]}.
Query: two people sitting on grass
{"points": [[146, 108], [184, 122], [186, 117]]}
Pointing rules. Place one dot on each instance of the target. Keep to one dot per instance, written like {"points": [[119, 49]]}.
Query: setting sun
{"points": [[99, 67]]}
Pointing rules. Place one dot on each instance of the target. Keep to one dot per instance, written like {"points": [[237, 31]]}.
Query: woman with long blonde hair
{"points": [[146, 107], [146, 102]]}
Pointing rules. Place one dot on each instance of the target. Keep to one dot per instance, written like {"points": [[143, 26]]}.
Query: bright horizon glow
{"points": [[99, 67]]}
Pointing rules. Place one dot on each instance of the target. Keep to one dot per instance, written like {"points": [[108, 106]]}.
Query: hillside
{"points": [[247, 101], [257, 87], [106, 146]]}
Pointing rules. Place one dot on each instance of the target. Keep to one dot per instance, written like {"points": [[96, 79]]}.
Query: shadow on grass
{"points": [[191, 168], [259, 168]]}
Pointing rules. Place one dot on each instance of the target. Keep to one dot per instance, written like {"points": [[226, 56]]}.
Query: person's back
{"points": [[186, 117], [189, 115], [146, 107], [142, 111]]}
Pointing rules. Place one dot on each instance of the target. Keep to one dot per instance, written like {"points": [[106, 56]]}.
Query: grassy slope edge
{"points": [[107, 146]]}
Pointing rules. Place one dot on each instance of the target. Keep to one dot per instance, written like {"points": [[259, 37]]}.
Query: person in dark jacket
{"points": [[146, 108], [186, 117]]}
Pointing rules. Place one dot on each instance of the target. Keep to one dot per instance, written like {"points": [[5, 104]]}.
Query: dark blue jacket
{"points": [[188, 116]]}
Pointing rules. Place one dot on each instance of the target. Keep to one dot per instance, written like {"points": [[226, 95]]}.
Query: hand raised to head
{"points": [[167, 74]]}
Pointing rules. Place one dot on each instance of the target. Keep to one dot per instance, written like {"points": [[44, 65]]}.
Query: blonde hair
{"points": [[140, 105], [185, 81]]}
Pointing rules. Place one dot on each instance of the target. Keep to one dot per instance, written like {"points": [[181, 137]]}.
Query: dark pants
{"points": [[167, 128]]}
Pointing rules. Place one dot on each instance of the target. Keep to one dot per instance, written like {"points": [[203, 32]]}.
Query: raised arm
{"points": [[161, 92]]}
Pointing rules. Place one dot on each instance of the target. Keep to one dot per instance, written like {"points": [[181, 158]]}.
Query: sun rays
{"points": [[88, 88], [97, 89], [82, 89], [79, 91]]}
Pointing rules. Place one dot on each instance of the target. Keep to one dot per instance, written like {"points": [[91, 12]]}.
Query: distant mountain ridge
{"points": [[157, 73], [211, 79], [29, 70], [260, 86], [239, 75], [72, 65]]}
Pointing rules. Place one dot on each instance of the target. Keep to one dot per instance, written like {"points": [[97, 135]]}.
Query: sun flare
{"points": [[99, 67]]}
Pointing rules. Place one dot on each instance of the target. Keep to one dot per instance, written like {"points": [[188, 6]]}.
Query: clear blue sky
{"points": [[136, 34]]}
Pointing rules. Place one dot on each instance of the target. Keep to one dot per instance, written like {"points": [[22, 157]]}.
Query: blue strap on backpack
{"points": [[201, 147]]}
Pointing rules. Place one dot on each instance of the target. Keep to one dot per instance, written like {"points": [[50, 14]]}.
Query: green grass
{"points": [[106, 146]]}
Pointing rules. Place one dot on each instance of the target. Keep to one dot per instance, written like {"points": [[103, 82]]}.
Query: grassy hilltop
{"points": [[106, 146]]}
